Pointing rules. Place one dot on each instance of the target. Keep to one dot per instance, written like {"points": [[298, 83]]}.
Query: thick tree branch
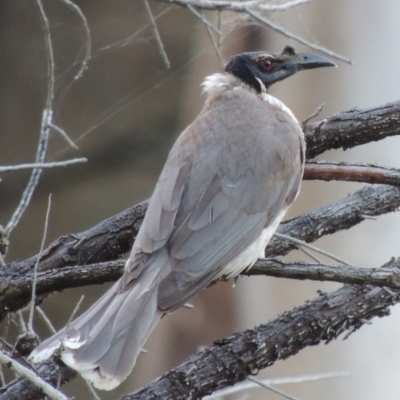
{"points": [[15, 281], [108, 240], [231, 360], [344, 214], [22, 388], [114, 237], [352, 128], [19, 292]]}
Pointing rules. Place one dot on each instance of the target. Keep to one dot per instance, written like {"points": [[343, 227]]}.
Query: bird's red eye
{"points": [[265, 64]]}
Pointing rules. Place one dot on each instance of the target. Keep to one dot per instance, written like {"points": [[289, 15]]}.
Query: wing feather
{"points": [[225, 181]]}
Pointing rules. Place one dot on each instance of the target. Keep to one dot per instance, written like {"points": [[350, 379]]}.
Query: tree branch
{"points": [[284, 32], [367, 202], [27, 373], [108, 240], [368, 173], [43, 165], [231, 360], [384, 276], [20, 288], [112, 238], [15, 280], [352, 128], [255, 9], [22, 388], [235, 6]]}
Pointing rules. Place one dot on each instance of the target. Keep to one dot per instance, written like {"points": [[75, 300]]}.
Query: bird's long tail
{"points": [[104, 342]]}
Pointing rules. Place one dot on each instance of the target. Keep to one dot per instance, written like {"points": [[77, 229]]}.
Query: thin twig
{"points": [[251, 8], [313, 115], [126, 41], [311, 247], [350, 172], [277, 28], [49, 55], [215, 43], [309, 254], [219, 30], [239, 6], [88, 43], [203, 19], [45, 125], [43, 165], [20, 370], [64, 134], [33, 301], [244, 386], [72, 316], [271, 388], [46, 319], [160, 44], [35, 176], [2, 380], [92, 390], [21, 322]]}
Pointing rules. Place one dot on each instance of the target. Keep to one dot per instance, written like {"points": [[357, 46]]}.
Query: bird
{"points": [[225, 187]]}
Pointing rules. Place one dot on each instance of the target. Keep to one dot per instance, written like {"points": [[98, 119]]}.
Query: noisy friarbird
{"points": [[226, 185]]}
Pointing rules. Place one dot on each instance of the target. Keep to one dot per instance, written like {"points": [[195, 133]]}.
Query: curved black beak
{"points": [[302, 61]]}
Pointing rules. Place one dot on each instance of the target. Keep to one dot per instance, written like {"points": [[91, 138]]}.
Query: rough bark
{"points": [[15, 286], [112, 238], [22, 388], [352, 128], [231, 360]]}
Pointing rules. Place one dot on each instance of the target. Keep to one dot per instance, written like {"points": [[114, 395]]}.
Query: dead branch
{"points": [[114, 237], [231, 360], [257, 9], [19, 289], [22, 388], [368, 173], [384, 276], [57, 271], [352, 128]]}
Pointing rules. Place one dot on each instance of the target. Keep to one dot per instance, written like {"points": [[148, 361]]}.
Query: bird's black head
{"points": [[264, 69]]}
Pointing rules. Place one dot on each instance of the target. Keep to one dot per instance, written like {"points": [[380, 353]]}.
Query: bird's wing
{"points": [[228, 217], [225, 181], [214, 234]]}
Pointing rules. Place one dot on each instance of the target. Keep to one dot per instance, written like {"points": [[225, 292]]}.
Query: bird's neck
{"points": [[220, 81], [216, 82], [273, 101]]}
